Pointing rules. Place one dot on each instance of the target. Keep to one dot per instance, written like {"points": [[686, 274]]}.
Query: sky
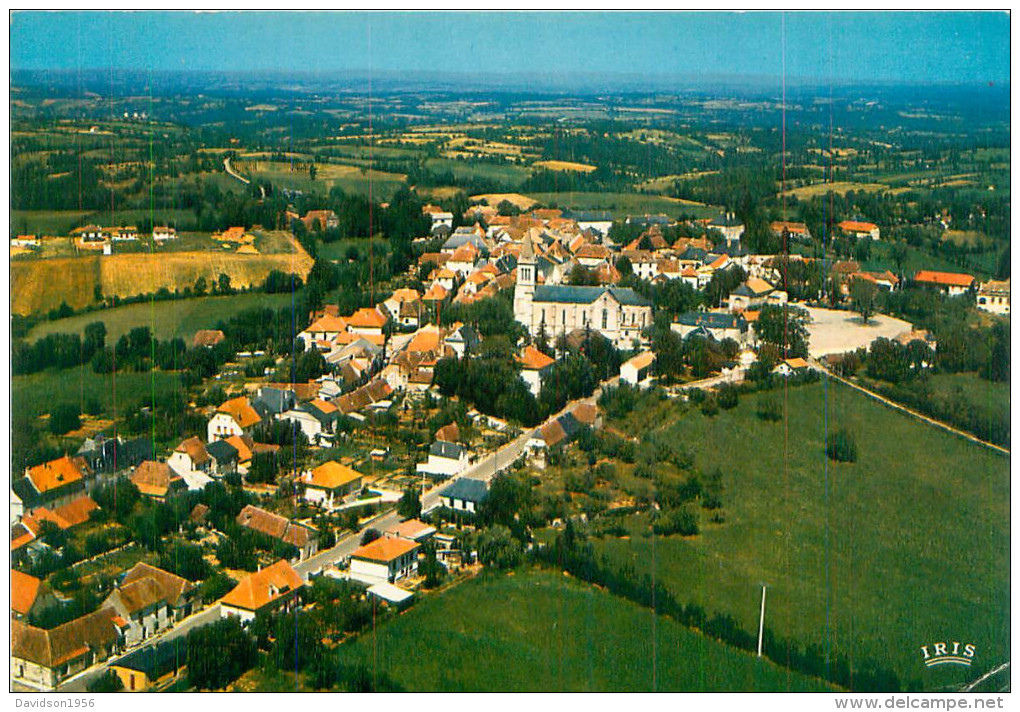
{"points": [[857, 47]]}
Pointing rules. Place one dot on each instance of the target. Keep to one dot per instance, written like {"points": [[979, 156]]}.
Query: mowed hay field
{"points": [[908, 545], [539, 631], [40, 285]]}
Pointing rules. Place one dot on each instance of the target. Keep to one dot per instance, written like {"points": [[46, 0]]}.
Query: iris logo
{"points": [[954, 653]]}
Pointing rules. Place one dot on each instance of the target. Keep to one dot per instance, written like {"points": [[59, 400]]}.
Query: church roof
{"points": [[566, 294], [527, 248]]}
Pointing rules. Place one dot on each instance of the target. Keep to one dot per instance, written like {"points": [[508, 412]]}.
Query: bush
{"points": [[841, 447], [675, 521], [64, 418], [369, 536], [219, 653], [710, 407], [107, 682], [727, 396], [769, 410]]}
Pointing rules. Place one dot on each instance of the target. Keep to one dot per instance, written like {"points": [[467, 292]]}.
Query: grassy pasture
{"points": [[873, 559], [539, 631]]}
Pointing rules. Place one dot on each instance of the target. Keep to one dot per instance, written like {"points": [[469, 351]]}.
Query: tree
{"points": [[64, 417], [783, 327], [219, 653], [862, 294], [498, 548], [508, 208], [185, 560], [312, 170], [369, 536], [841, 446], [899, 255], [264, 468], [410, 503], [224, 284]]}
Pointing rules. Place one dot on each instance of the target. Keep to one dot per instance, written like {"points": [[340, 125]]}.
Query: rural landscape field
{"points": [[618, 363]]}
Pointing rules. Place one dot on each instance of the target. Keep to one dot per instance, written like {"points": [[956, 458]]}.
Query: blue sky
{"points": [[859, 47]]}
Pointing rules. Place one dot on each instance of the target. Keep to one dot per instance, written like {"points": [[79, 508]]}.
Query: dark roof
{"points": [[467, 335], [458, 238], [648, 220], [567, 294], [273, 401], [469, 490], [157, 660], [113, 454], [322, 417], [441, 448], [506, 264], [694, 254], [713, 320], [569, 424], [221, 451]]}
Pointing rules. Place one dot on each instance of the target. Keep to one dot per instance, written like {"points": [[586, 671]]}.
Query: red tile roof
{"points": [[264, 587], [950, 279], [384, 549]]}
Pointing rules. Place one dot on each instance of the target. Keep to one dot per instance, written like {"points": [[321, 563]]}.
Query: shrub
{"points": [[841, 446], [710, 407], [675, 521], [64, 418], [727, 396], [769, 410]]}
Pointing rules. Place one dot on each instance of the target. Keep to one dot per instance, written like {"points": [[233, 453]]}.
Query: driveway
{"points": [[832, 331]]}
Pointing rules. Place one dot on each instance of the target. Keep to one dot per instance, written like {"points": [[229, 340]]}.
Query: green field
{"points": [[539, 631], [908, 545], [506, 174], [46, 222], [36, 394], [624, 204], [173, 317], [991, 399]]}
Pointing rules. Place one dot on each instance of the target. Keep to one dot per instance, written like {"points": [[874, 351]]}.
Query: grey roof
{"points": [[567, 294], [569, 424], [468, 490], [694, 254], [466, 335], [441, 448], [273, 401], [713, 320], [527, 247], [157, 660], [312, 410], [506, 264], [462, 236], [648, 220], [588, 215], [221, 451]]}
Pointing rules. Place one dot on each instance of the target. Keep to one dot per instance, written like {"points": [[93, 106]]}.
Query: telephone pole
{"points": [[761, 621]]}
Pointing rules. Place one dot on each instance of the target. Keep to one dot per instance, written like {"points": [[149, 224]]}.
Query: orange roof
{"points": [[944, 278], [24, 590], [586, 413], [794, 228], [405, 294], [264, 587], [857, 226], [241, 411], [195, 449], [54, 474], [796, 363], [384, 549], [244, 450], [154, 478], [367, 317], [324, 406], [534, 360], [331, 475], [426, 339], [436, 293], [328, 324], [720, 262]]}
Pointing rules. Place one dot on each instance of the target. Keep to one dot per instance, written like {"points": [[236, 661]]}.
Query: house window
{"points": [[563, 317], [543, 315], [605, 318]]}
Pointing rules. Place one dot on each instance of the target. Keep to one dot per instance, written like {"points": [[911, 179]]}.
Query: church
{"points": [[618, 313]]}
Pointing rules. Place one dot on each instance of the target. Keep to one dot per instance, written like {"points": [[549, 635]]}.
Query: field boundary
{"points": [[899, 406]]}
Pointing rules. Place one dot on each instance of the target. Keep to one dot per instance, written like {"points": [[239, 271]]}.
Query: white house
{"points": [[638, 370], [190, 457], [534, 365], [273, 588], [445, 460], [234, 417], [317, 419], [860, 229], [330, 482], [162, 233], [385, 560], [993, 296]]}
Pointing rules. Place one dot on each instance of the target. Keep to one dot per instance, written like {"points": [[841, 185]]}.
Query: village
{"points": [[391, 516]]}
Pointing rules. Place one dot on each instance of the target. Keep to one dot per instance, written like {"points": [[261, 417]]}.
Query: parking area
{"points": [[833, 331]]}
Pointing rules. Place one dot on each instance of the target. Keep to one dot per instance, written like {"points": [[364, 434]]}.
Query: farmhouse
{"points": [[413, 530], [162, 232], [273, 588], [207, 338], [386, 559], [951, 283], [149, 600], [191, 461], [53, 483], [860, 229], [730, 227]]}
